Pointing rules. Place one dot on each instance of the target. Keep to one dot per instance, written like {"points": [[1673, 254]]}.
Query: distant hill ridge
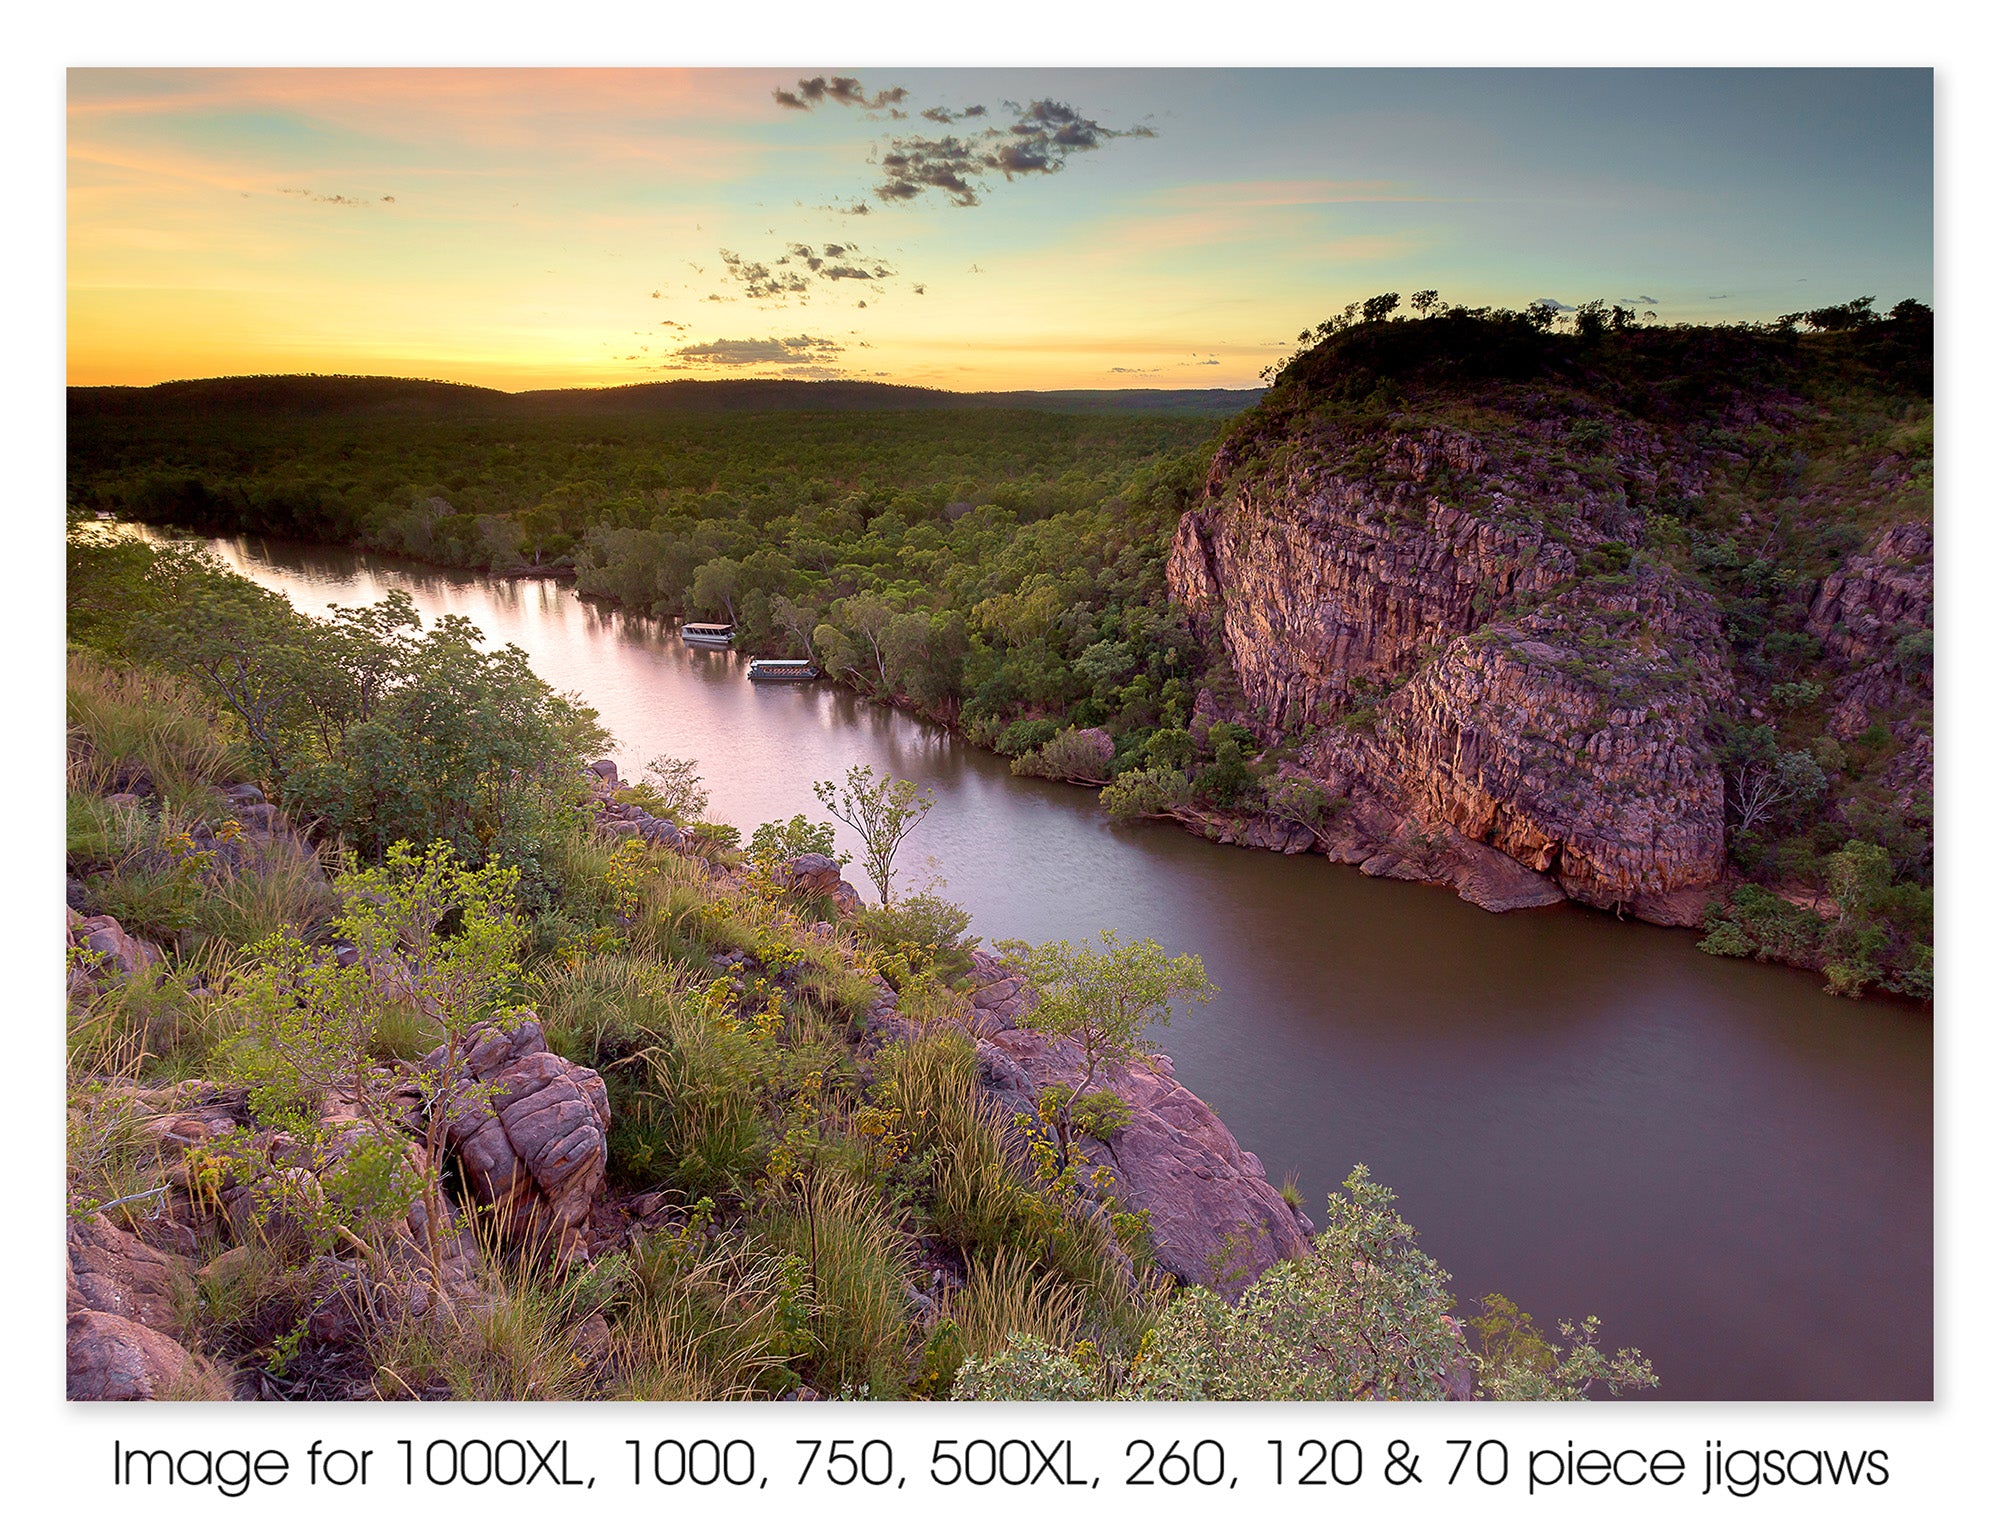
{"points": [[336, 394]]}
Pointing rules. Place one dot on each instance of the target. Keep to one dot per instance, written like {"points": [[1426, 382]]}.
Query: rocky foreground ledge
{"points": [[528, 1133], [1216, 1220]]}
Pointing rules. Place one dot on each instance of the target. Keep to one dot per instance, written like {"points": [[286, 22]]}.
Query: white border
{"points": [[56, 1452]]}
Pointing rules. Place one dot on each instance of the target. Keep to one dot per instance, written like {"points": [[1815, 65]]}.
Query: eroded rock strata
{"points": [[1462, 635]]}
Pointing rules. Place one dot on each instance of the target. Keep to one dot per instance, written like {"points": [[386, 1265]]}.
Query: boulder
{"points": [[100, 947], [1215, 1219], [812, 873], [116, 1359], [529, 1130], [122, 1297], [115, 1272], [1099, 743]]}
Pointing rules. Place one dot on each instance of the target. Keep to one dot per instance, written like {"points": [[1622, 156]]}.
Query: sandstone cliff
{"points": [[1517, 630], [1429, 634]]}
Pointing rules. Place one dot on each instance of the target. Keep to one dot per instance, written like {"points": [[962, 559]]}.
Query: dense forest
{"points": [[982, 565]]}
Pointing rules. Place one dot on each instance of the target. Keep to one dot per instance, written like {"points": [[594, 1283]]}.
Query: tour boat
{"points": [[718, 635], [783, 669]]}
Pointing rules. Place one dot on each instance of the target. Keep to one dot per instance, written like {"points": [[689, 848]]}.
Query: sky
{"points": [[954, 228]]}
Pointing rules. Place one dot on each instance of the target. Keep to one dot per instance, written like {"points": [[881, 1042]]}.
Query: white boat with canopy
{"points": [[783, 669]]}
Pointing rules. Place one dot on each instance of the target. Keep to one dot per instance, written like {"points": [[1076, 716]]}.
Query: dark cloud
{"points": [[842, 90], [944, 116], [791, 352], [792, 274], [916, 164], [1555, 304], [1038, 141], [760, 283]]}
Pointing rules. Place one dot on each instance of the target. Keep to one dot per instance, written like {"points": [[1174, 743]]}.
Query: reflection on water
{"points": [[1592, 1117]]}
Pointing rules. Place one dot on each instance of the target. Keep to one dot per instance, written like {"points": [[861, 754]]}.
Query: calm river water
{"points": [[1730, 1166]]}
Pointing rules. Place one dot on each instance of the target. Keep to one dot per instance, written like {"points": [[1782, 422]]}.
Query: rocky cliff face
{"points": [[1862, 612], [1453, 627]]}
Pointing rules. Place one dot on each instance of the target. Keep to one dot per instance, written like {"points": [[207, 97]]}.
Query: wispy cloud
{"points": [[335, 199]]}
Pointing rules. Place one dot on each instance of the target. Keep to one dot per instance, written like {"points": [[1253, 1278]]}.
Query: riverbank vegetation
{"points": [[1002, 569], [308, 916]]}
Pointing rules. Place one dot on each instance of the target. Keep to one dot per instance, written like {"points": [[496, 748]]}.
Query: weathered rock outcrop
{"points": [[100, 950], [529, 1131], [1215, 1219], [1571, 740], [1877, 600], [812, 873], [115, 1360], [628, 820], [1876, 596], [1496, 709], [123, 1299]]}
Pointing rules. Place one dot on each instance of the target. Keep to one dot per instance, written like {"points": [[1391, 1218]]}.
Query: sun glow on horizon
{"points": [[966, 229]]}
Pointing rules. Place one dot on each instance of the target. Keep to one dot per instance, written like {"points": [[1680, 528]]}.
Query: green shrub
{"points": [[777, 842], [1026, 734], [925, 930], [694, 1117], [857, 1262], [1071, 755]]}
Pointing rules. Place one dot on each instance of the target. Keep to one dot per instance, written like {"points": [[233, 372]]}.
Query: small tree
{"points": [[442, 938], [1297, 800], [1773, 787], [1104, 1001], [1380, 307], [883, 812], [779, 840], [682, 796], [432, 936]]}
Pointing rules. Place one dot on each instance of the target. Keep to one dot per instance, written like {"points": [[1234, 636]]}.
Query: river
{"points": [[1730, 1166]]}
